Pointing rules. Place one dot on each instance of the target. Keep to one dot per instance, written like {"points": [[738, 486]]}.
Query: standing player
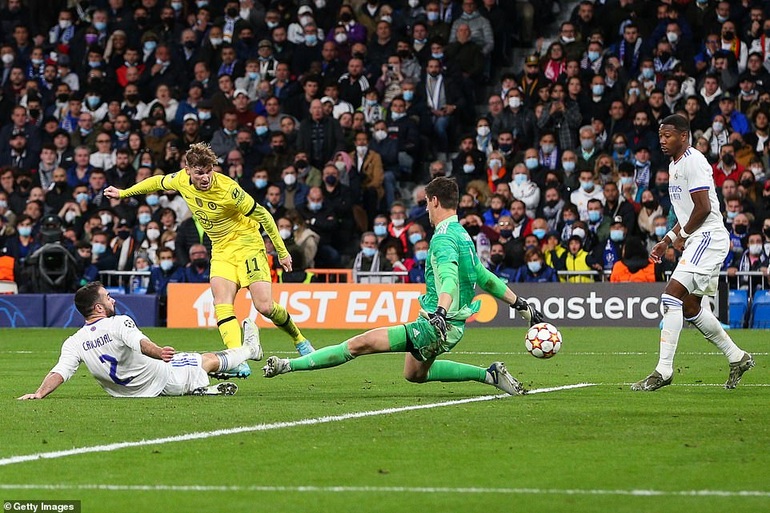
{"points": [[231, 219], [127, 364], [700, 229], [452, 271]]}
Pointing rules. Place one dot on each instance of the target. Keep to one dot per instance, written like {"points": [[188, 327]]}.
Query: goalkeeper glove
{"points": [[527, 312], [437, 319]]}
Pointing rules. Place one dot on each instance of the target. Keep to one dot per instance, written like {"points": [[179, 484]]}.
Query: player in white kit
{"points": [[128, 364], [700, 230]]}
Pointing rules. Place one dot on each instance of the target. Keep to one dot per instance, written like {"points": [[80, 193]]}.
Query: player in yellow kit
{"points": [[231, 219]]}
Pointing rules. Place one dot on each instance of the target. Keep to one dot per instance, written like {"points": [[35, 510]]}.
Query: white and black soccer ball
{"points": [[543, 340]]}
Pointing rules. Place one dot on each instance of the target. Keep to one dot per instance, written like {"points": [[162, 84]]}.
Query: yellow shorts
{"points": [[241, 264]]}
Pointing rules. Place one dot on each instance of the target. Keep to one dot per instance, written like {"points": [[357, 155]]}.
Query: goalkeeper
{"points": [[232, 220], [452, 272]]}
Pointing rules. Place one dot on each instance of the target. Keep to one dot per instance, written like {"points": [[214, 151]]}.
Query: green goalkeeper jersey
{"points": [[452, 267]]}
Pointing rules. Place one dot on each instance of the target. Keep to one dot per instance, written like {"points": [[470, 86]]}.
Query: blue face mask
{"points": [[261, 130], [395, 116], [594, 216], [380, 230], [534, 267], [586, 186], [437, 55], [93, 101], [421, 255], [408, 95], [648, 73], [311, 39], [597, 89], [314, 206], [469, 168], [731, 215], [81, 197], [626, 180], [539, 233], [593, 56], [25, 231], [149, 46], [204, 115], [617, 235], [97, 248], [144, 218], [260, 183], [100, 25], [166, 265], [415, 238], [660, 231], [369, 252], [531, 163], [568, 166], [519, 179], [151, 200], [253, 75]]}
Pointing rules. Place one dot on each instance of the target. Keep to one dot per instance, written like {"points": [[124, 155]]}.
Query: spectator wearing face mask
{"points": [[535, 269], [199, 268], [605, 255], [754, 258], [727, 167], [369, 258]]}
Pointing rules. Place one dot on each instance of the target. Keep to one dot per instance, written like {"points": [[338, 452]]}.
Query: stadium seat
{"points": [[738, 306], [760, 310]]}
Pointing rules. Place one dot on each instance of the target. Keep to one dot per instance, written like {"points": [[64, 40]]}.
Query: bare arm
{"points": [[153, 350], [49, 384]]}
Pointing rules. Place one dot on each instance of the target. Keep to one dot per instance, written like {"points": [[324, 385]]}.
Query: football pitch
{"points": [[359, 437]]}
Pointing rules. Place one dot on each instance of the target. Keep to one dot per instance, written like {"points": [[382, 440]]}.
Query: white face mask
{"points": [[514, 102], [106, 219], [483, 131], [380, 135], [362, 149], [153, 234], [755, 249], [285, 233], [398, 223], [290, 179]]}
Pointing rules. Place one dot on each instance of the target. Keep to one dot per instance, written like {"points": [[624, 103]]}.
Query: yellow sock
{"points": [[228, 326], [283, 321]]}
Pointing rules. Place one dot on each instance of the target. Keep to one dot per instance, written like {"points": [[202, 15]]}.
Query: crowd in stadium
{"points": [[334, 116]]}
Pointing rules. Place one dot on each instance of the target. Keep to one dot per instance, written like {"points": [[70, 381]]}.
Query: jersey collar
{"points": [[450, 219]]}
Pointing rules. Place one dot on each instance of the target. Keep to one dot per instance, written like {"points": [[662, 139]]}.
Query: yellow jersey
{"points": [[225, 212]]}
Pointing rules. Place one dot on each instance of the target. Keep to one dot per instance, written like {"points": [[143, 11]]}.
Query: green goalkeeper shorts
{"points": [[421, 339]]}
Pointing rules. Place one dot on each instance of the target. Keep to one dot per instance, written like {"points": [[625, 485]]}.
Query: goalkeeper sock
{"points": [[228, 326], [712, 329], [669, 334], [329, 356], [230, 359], [446, 370], [283, 321]]}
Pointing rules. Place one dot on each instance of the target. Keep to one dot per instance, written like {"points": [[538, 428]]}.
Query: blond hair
{"points": [[200, 155]]}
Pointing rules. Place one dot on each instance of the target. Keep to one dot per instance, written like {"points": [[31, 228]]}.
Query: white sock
{"points": [[712, 329], [669, 334], [230, 359]]}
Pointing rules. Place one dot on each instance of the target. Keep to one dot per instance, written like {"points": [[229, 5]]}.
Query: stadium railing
{"points": [[379, 276], [333, 275], [115, 280]]}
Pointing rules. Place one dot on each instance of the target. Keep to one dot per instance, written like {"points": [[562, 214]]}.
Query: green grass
{"points": [[576, 446]]}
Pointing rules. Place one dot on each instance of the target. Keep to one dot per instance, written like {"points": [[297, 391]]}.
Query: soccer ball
{"points": [[543, 340]]}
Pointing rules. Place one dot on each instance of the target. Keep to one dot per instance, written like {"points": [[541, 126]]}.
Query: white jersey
{"points": [[692, 173], [110, 348]]}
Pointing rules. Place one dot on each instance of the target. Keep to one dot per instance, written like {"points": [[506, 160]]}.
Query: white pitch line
{"points": [[386, 489], [265, 427]]}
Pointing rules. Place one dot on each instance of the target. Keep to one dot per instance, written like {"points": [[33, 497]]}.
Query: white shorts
{"points": [[187, 374], [698, 269]]}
